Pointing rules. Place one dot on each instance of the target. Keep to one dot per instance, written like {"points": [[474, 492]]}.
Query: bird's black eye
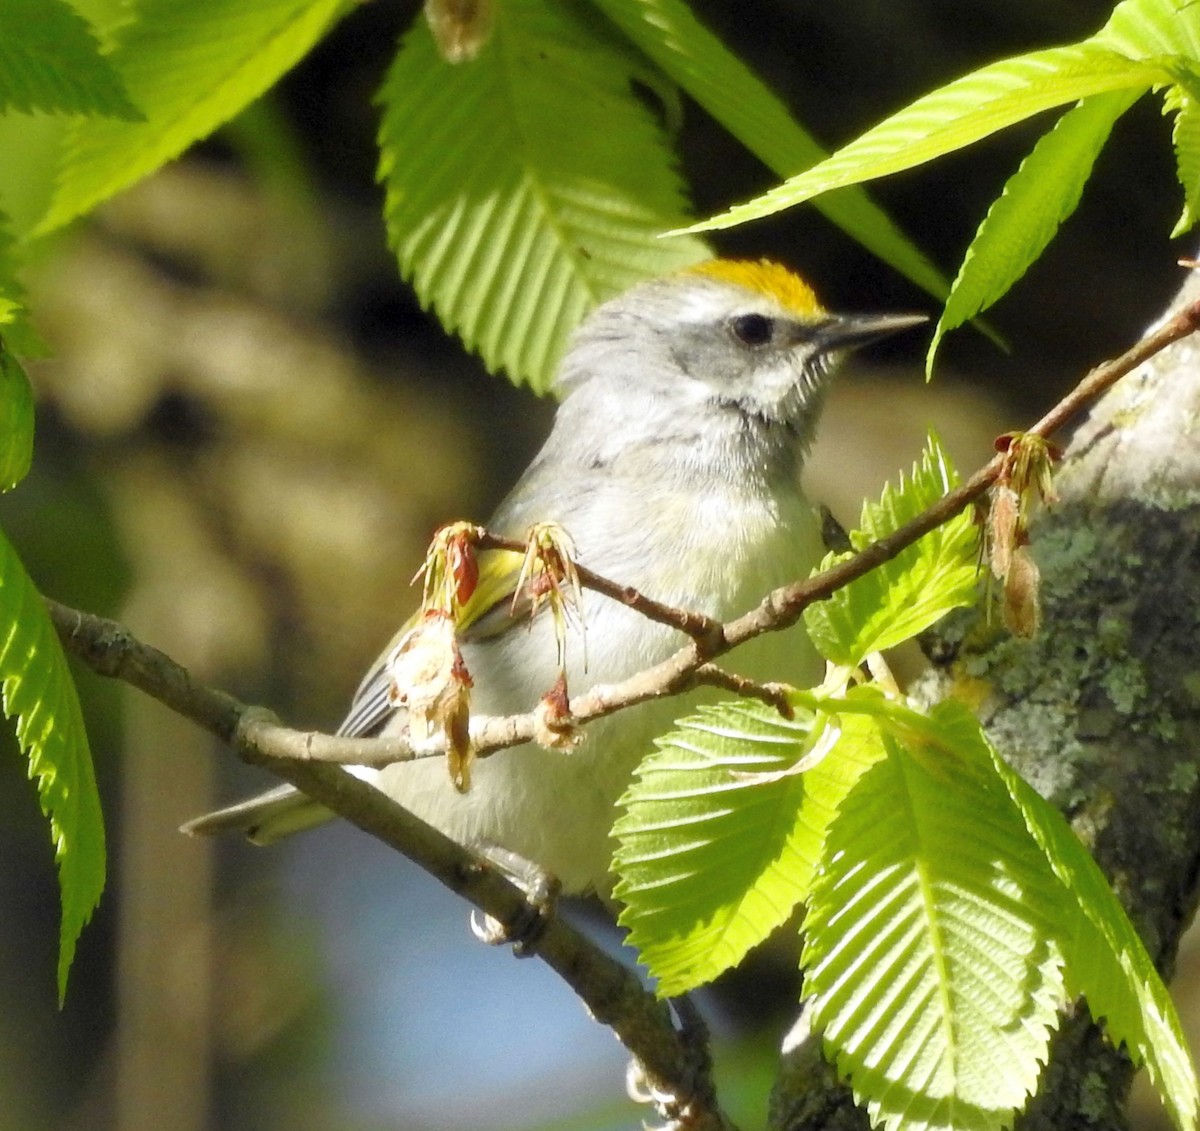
{"points": [[752, 329]]}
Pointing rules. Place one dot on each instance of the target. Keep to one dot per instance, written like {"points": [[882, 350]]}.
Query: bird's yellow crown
{"points": [[764, 277]]}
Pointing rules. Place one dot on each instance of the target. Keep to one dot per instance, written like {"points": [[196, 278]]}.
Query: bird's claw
{"points": [[541, 899]]}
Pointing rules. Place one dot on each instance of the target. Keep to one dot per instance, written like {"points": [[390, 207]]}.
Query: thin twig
{"points": [[705, 630], [781, 608], [772, 694]]}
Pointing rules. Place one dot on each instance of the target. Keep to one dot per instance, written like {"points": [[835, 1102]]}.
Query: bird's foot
{"points": [[689, 1106], [541, 900]]}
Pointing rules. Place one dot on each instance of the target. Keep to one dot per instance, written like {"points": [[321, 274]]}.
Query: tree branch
{"points": [[610, 990]]}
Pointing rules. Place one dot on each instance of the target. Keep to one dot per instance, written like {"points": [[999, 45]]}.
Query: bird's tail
{"points": [[263, 819]]}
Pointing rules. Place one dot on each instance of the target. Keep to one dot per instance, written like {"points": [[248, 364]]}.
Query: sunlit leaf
{"points": [[1168, 33], [912, 591], [189, 67], [16, 334], [39, 694], [528, 185], [930, 950], [1025, 217], [720, 836], [1185, 135], [16, 421], [1154, 30], [1106, 960], [11, 291], [954, 116]]}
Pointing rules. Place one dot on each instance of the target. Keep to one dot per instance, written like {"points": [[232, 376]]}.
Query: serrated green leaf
{"points": [[50, 61], [1106, 960], [912, 591], [16, 421], [669, 33], [1023, 220], [719, 836], [1168, 32], [190, 67], [930, 951], [39, 694], [954, 116], [1185, 136], [527, 185]]}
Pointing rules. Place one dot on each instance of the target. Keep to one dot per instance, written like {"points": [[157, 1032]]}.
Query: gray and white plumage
{"points": [[688, 404]]}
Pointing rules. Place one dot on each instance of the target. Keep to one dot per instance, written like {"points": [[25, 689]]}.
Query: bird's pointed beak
{"points": [[849, 331]]}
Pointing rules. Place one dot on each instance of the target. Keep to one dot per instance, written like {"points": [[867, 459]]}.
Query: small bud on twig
{"points": [[553, 724], [1025, 479]]}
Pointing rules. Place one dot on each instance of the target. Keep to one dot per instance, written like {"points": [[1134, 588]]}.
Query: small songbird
{"points": [[688, 404]]}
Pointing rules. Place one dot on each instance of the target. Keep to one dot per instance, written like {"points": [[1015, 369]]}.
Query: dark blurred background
{"points": [[247, 431]]}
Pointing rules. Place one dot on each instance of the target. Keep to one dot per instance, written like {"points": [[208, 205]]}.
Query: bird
{"points": [[687, 406]]}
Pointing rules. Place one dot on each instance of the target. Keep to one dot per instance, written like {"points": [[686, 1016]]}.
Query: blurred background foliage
{"points": [[247, 432]]}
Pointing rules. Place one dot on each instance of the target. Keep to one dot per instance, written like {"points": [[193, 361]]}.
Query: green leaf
{"points": [[39, 693], [528, 185], [1167, 32], [50, 61], [954, 116], [190, 66], [1154, 30], [1023, 220], [669, 33], [1186, 138], [921, 584], [16, 422], [719, 836], [11, 293], [16, 333], [930, 953], [1106, 960]]}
